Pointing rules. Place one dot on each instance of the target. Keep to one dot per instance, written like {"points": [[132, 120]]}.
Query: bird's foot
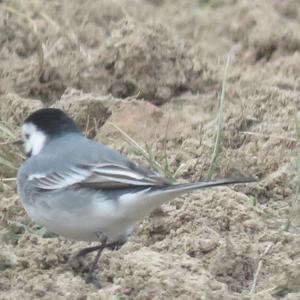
{"points": [[91, 278]]}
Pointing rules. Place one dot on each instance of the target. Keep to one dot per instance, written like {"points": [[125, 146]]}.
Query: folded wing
{"points": [[100, 175]]}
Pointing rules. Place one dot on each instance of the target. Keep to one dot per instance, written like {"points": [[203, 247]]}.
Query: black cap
{"points": [[52, 121]]}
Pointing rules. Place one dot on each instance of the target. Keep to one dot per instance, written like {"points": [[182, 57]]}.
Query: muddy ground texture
{"points": [[154, 69]]}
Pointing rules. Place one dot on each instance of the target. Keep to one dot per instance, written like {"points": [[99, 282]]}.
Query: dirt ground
{"points": [[154, 69]]}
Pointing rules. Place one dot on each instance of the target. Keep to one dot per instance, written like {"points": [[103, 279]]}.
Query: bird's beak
{"points": [[18, 142]]}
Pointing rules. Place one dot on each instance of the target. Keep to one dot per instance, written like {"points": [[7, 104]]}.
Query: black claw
{"points": [[91, 278]]}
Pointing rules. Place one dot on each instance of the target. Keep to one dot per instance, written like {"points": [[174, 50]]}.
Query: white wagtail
{"points": [[84, 190]]}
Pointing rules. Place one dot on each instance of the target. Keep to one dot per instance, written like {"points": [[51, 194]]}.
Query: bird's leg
{"points": [[87, 250], [113, 246], [116, 245], [101, 237], [90, 276]]}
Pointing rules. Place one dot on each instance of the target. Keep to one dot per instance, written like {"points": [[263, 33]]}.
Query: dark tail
{"points": [[143, 202], [178, 189]]}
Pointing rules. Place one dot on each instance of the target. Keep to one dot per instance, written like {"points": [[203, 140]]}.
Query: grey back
{"points": [[67, 151]]}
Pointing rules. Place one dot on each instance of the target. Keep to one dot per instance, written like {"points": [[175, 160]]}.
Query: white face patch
{"points": [[33, 139]]}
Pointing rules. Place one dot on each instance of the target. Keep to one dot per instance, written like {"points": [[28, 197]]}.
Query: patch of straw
{"points": [[32, 27], [10, 154]]}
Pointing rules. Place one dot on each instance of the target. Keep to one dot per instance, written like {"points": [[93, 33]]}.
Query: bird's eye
{"points": [[26, 136]]}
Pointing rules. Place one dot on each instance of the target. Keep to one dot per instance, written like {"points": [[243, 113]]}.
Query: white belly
{"points": [[83, 216], [102, 218]]}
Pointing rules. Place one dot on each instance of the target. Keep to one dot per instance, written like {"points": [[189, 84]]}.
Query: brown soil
{"points": [[154, 68]]}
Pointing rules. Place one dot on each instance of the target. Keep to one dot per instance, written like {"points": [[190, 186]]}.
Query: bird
{"points": [[84, 190]]}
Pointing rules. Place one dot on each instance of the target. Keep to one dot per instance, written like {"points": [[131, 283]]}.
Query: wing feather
{"points": [[99, 175]]}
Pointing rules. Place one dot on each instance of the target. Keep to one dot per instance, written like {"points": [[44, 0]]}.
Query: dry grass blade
{"points": [[6, 183], [266, 135], [131, 140], [5, 162], [294, 211], [12, 179], [220, 123], [167, 169], [259, 267], [145, 153]]}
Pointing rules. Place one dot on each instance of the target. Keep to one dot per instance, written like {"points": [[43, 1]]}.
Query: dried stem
{"points": [[259, 267], [220, 123]]}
